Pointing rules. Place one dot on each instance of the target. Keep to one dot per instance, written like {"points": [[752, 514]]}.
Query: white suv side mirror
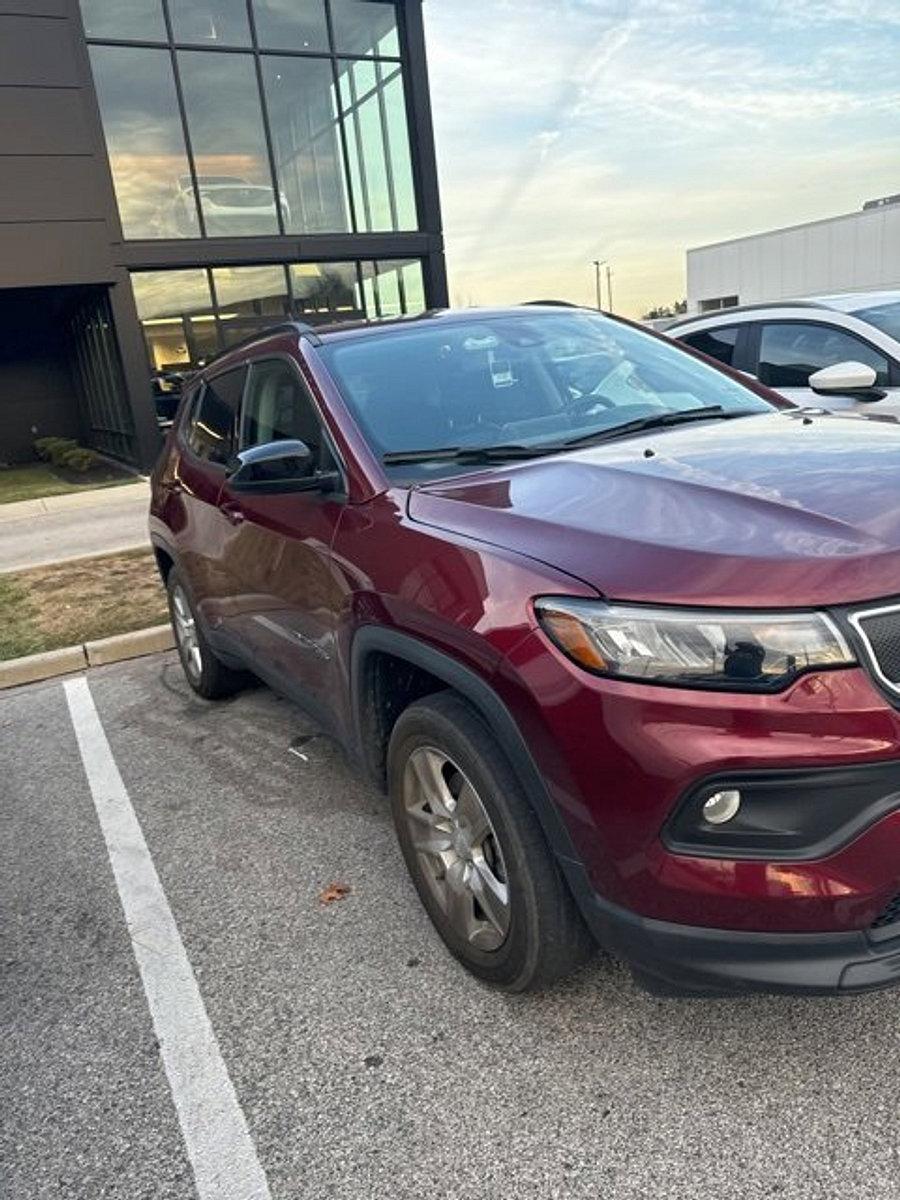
{"points": [[843, 377]]}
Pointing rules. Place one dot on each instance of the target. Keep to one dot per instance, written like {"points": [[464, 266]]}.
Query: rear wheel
{"points": [[207, 675], [476, 852]]}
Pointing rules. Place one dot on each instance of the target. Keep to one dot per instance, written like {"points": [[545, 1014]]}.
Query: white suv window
{"points": [[718, 343], [791, 351]]}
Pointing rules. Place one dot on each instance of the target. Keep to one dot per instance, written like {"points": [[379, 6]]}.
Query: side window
{"points": [[790, 351], [211, 428], [278, 408], [717, 343]]}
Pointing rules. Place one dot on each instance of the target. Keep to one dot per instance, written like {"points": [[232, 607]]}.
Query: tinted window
{"points": [[306, 143], [277, 408], [222, 22], [145, 141], [212, 424], [791, 351], [717, 343], [535, 379], [139, 19], [224, 118]]}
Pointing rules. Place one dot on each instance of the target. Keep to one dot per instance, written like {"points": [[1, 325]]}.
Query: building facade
{"points": [[180, 173], [858, 252]]}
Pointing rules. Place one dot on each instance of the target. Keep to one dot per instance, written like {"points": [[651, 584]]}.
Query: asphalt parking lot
{"points": [[364, 1062]]}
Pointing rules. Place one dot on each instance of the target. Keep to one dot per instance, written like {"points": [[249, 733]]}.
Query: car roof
{"points": [[846, 302]]}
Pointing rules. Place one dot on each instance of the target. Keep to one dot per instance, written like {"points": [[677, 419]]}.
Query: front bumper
{"points": [[696, 960]]}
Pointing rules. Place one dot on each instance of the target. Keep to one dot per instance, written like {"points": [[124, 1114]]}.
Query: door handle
{"points": [[232, 512]]}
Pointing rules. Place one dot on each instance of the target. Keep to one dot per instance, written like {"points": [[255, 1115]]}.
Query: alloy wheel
{"points": [[457, 848], [186, 634]]}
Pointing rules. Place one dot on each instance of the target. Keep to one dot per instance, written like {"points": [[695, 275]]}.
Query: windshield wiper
{"points": [[657, 421], [466, 454]]}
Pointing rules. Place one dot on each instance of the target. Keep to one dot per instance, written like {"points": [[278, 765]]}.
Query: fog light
{"points": [[722, 806]]}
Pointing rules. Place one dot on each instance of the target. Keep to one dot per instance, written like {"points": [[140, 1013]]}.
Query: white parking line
{"points": [[218, 1142]]}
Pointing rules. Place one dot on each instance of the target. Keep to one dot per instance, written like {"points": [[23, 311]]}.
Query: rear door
{"points": [[285, 595], [206, 444]]}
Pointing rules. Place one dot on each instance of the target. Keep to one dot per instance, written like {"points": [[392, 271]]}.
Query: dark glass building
{"points": [[180, 173]]}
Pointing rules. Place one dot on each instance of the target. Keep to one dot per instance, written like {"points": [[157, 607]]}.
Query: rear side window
{"points": [[211, 427], [791, 351], [717, 343]]}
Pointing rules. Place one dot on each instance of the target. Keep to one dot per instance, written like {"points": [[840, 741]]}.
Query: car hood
{"points": [[767, 510]]}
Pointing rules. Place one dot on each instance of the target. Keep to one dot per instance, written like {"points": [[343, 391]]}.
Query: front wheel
{"points": [[476, 852], [207, 675]]}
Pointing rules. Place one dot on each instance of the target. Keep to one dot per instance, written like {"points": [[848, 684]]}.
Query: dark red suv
{"points": [[618, 631]]}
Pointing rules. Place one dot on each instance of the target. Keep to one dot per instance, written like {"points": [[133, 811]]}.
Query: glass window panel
{"points": [[171, 304], [224, 119], [250, 291], [364, 27], [218, 22], [717, 343], [211, 434], [306, 144], [414, 287], [378, 143], [141, 20], [394, 287], [291, 24], [330, 290], [145, 141], [790, 352]]}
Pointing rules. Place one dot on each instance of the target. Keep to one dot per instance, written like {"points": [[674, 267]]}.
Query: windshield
{"points": [[531, 380], [885, 317]]}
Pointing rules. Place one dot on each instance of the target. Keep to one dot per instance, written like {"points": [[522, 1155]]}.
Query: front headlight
{"points": [[736, 651]]}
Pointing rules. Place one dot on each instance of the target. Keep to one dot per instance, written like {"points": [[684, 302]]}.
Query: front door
{"points": [[285, 594], [791, 351]]}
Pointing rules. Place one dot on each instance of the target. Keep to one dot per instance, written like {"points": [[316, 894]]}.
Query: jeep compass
{"points": [[616, 629]]}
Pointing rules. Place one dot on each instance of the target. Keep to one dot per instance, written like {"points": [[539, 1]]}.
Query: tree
{"points": [[666, 310]]}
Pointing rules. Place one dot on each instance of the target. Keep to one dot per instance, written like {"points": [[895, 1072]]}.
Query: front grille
{"points": [[880, 630], [889, 914]]}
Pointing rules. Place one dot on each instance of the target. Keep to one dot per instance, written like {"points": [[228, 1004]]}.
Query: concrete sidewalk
{"points": [[59, 528]]}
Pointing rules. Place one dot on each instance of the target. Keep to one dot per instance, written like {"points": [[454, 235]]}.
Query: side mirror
{"points": [[286, 466], [847, 378]]}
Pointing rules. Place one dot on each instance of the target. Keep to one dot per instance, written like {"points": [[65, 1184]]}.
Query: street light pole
{"points": [[609, 285], [598, 263]]}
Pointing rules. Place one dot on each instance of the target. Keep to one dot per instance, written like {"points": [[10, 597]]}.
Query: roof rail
{"points": [[302, 328]]}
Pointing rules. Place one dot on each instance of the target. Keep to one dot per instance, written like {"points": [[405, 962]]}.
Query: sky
{"points": [[630, 130]]}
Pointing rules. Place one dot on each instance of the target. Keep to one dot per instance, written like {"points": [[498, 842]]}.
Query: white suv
{"points": [[837, 352]]}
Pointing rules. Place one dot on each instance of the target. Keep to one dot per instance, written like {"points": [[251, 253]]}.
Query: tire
{"points": [[476, 852], [207, 675]]}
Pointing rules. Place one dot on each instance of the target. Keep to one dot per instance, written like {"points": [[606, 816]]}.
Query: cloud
{"points": [[631, 129]]}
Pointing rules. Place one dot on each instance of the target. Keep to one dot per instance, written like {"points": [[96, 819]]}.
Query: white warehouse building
{"points": [[858, 252]]}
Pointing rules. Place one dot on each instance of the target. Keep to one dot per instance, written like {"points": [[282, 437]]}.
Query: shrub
{"points": [[60, 449], [78, 458], [45, 447]]}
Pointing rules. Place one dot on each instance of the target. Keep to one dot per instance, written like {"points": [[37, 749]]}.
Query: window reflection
{"points": [[249, 298], [361, 27], [222, 22], [328, 290], [145, 142], [137, 19], [393, 288], [176, 314], [373, 106], [183, 327], [224, 122], [306, 143], [291, 24]]}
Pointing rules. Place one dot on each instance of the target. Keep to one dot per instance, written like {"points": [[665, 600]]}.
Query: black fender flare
{"points": [[472, 687]]}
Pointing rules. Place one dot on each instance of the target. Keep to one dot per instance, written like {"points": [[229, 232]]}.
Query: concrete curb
{"points": [[34, 667]]}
